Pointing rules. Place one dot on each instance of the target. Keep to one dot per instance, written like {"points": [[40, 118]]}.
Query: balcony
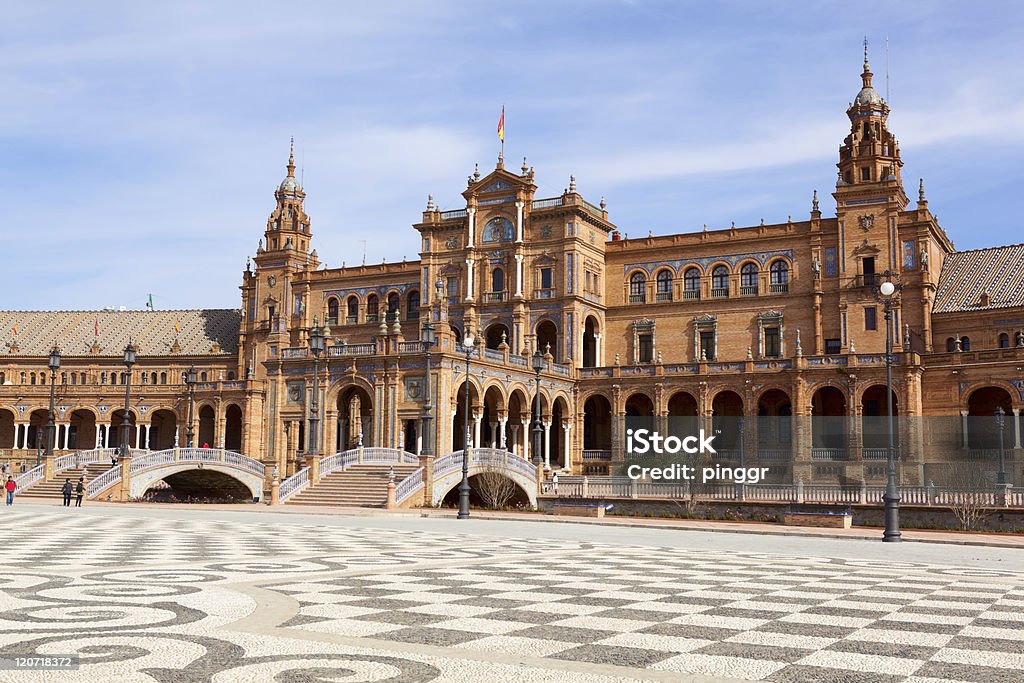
{"points": [[719, 293], [828, 454], [331, 320], [592, 454], [548, 293], [778, 287], [372, 317], [691, 294], [351, 319], [868, 280], [663, 296], [637, 298], [495, 297], [748, 290], [454, 301]]}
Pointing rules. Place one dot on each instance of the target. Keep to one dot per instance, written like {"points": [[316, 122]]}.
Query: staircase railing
{"points": [[410, 485], [293, 484], [104, 481], [79, 458], [29, 477]]}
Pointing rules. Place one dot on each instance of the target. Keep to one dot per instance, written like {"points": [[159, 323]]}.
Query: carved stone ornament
{"points": [[866, 222], [452, 243], [271, 280], [414, 388]]}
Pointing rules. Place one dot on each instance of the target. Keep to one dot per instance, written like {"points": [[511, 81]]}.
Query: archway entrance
{"points": [[233, 428], [982, 428], [875, 422], [547, 339], [828, 424], [83, 431], [116, 434], [495, 335], [198, 486], [727, 414], [459, 419], [355, 419], [590, 338], [207, 422], [7, 429], [163, 425], [775, 423]]}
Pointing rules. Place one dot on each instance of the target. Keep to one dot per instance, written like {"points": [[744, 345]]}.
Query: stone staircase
{"points": [[51, 489], [357, 486]]}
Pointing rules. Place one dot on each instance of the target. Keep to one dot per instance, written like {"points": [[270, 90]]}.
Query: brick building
{"points": [[766, 321]]}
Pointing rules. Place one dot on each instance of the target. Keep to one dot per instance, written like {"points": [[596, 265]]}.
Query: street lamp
{"points": [[428, 337], [887, 293], [537, 362], [126, 423], [1000, 418], [54, 365], [468, 343], [316, 346], [191, 377]]}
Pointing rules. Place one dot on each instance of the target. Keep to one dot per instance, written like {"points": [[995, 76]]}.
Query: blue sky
{"points": [[140, 143]]}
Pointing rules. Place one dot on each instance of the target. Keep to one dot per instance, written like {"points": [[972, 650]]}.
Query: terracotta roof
{"points": [[966, 275], [152, 331]]}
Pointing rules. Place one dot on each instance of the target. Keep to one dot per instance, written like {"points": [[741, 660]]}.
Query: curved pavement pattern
{"points": [[151, 594]]}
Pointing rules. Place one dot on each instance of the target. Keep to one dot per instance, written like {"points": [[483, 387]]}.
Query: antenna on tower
{"points": [[302, 168], [364, 251], [887, 71]]}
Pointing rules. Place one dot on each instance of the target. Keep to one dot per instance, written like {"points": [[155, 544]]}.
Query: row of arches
{"points": [[83, 429], [719, 275], [1003, 339], [73, 378], [372, 308]]}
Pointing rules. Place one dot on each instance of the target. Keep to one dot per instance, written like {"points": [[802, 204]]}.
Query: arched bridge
{"points": [[447, 471], [136, 474]]}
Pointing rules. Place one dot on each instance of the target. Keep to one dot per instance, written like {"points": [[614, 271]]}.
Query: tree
{"points": [[495, 489]]}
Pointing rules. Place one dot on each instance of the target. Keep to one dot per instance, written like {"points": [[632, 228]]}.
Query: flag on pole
{"points": [[15, 330], [96, 327], [177, 326], [501, 125], [149, 303]]}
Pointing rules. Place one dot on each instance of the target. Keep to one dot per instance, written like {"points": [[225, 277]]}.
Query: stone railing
{"points": [[596, 454], [410, 485], [293, 484], [30, 477], [79, 458], [103, 482]]}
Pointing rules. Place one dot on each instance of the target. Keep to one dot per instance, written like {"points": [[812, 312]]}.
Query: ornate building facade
{"points": [[765, 321]]}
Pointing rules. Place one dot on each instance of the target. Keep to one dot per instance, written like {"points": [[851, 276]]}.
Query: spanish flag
{"points": [[177, 326], [501, 125], [15, 330]]}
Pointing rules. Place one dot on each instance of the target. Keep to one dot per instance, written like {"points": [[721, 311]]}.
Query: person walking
{"points": [[79, 492], [66, 490], [10, 487], [554, 483]]}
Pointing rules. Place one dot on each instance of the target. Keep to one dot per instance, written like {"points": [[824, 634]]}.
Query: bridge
{"points": [[131, 477], [429, 483]]}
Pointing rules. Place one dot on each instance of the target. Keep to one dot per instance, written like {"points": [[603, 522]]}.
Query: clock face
{"points": [[271, 280]]}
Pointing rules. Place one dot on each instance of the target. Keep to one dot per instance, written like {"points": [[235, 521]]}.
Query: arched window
{"points": [[950, 345], [748, 278], [32, 378], [691, 284], [371, 308], [720, 281], [965, 343], [637, 288], [202, 376], [152, 378], [1004, 341], [231, 375], [497, 280], [779, 277], [23, 378], [74, 378], [394, 306], [145, 378], [412, 305], [332, 311], [498, 230], [82, 379], [664, 285], [352, 310], [1019, 339], [163, 378]]}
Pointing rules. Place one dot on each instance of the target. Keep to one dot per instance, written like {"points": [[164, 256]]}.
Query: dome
{"points": [[289, 184], [868, 96]]}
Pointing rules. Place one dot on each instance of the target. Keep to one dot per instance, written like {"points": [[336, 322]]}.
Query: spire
{"points": [[814, 201], [291, 158], [866, 74], [920, 192]]}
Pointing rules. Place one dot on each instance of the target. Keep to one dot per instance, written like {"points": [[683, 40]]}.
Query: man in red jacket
{"points": [[10, 486]]}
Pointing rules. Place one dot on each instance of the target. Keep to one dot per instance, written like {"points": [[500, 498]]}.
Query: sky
{"points": [[140, 143]]}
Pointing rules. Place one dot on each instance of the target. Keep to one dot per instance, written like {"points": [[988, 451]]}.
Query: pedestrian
{"points": [[206, 444], [66, 490], [554, 483], [79, 492], [10, 486]]}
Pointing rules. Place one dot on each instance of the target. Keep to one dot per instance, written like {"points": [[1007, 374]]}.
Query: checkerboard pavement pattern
{"points": [[754, 616]]}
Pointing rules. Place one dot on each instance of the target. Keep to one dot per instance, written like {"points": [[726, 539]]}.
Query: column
{"points": [[567, 449], [502, 443], [1016, 428], [138, 436], [469, 279], [477, 418], [515, 440], [598, 351], [99, 437], [526, 440], [471, 215], [519, 222], [494, 434], [24, 436], [519, 276], [963, 428], [547, 444], [149, 436], [67, 436], [110, 430]]}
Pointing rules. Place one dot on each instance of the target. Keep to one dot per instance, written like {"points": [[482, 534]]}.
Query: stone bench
{"points": [[832, 520], [582, 509]]}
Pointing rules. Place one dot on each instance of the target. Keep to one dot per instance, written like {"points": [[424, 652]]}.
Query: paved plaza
{"points": [[171, 594]]}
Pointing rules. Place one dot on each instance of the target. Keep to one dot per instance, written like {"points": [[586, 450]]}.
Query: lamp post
{"points": [[1000, 418], [191, 377], [316, 346], [887, 293], [54, 365], [537, 361], [468, 342], [428, 339], [126, 423]]}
